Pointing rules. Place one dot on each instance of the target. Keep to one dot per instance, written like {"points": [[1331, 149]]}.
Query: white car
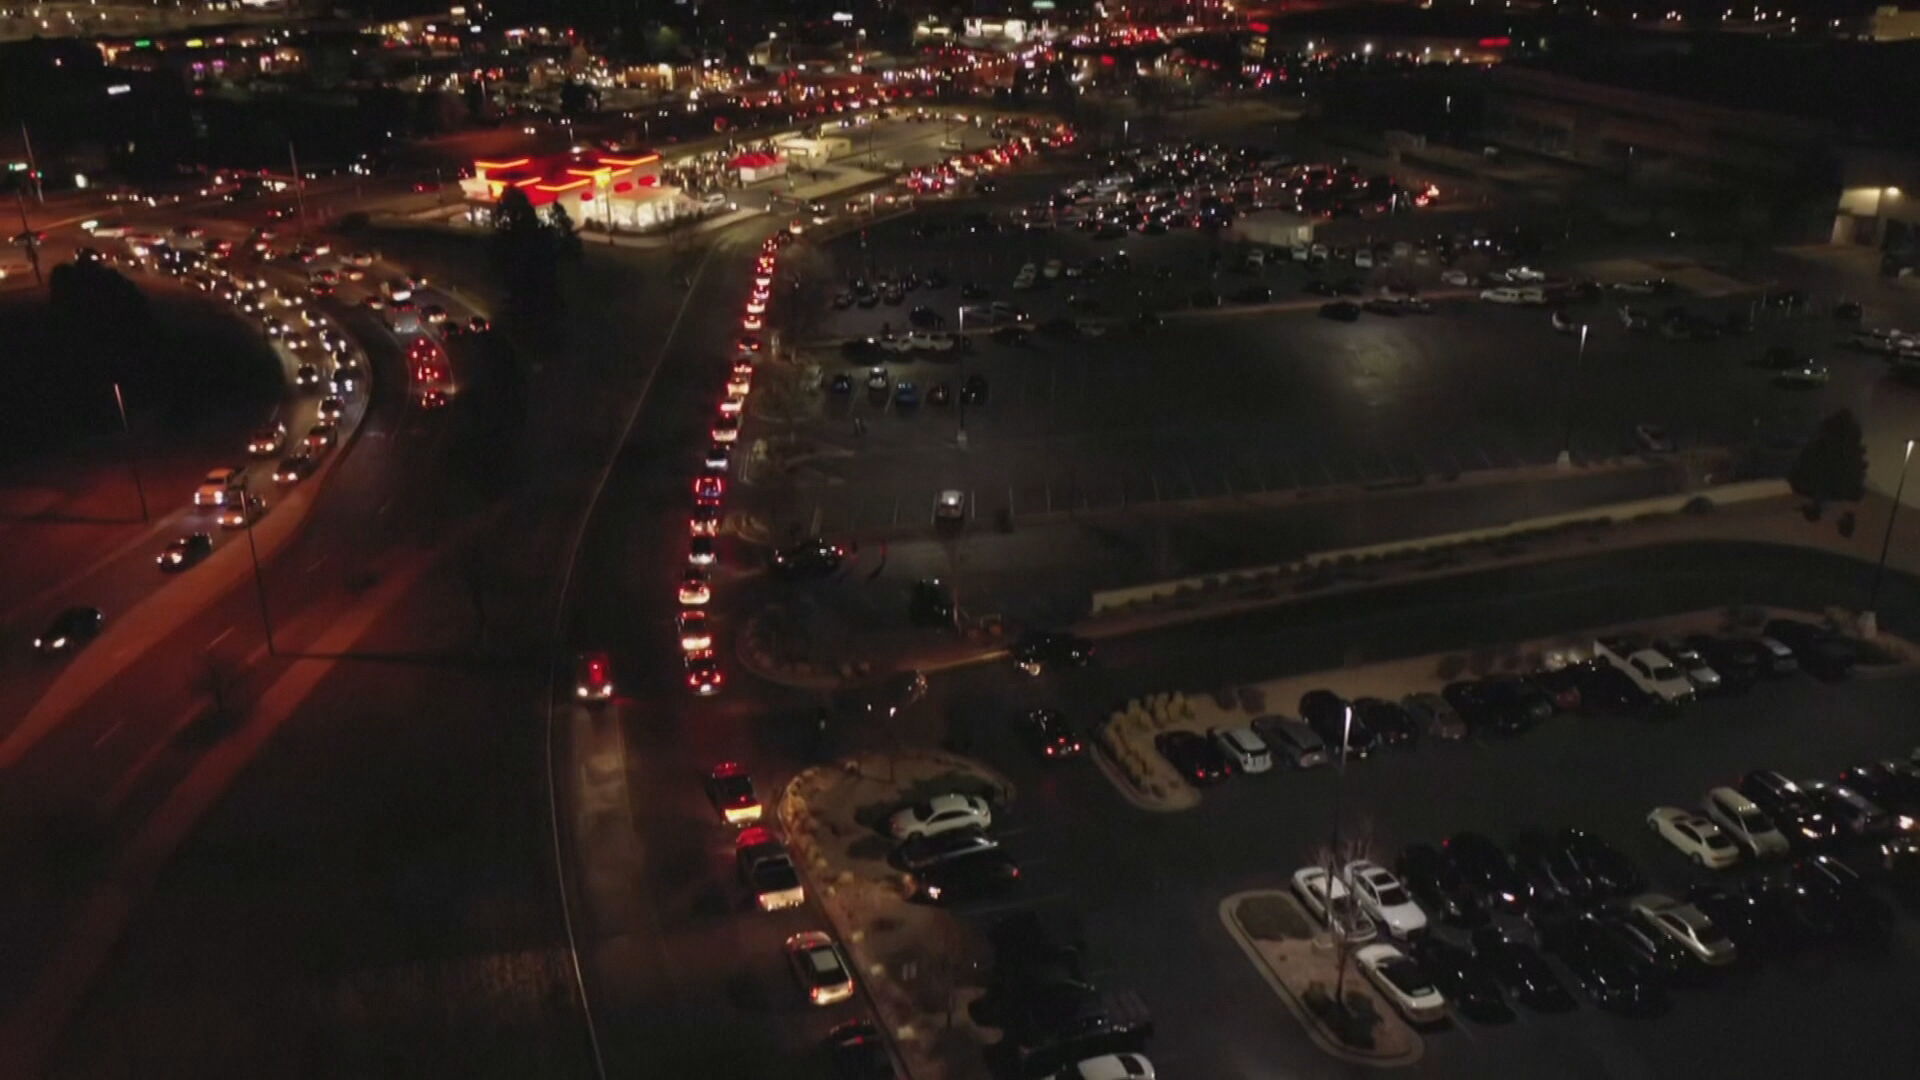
{"points": [[1053, 269], [1745, 823], [820, 967], [1023, 282], [1694, 836], [1404, 983], [218, 486], [1459, 279], [1310, 884], [939, 814], [877, 379], [1688, 926], [1247, 749], [1384, 899], [1698, 671], [1109, 1067], [1509, 294], [930, 340]]}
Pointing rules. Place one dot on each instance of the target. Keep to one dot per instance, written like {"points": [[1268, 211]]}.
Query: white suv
{"points": [[1247, 749], [1746, 823], [219, 486]]}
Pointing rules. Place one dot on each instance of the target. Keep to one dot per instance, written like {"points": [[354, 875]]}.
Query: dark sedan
{"points": [[1488, 872], [1050, 735], [1199, 759], [1521, 969], [1439, 886], [1467, 982], [69, 630], [1603, 867], [1394, 725], [1609, 974], [1337, 724]]}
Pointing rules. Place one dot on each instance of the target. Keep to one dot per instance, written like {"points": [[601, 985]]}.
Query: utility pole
{"points": [[126, 434], [259, 583], [33, 245], [1872, 618], [1566, 402], [299, 186], [33, 167]]}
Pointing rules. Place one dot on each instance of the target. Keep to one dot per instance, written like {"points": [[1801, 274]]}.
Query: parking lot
{"points": [[1148, 885], [1243, 398]]}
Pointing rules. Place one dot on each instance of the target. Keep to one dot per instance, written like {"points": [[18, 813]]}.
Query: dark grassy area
{"points": [[195, 364]]}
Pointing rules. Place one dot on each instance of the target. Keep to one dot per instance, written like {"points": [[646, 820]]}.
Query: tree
{"points": [[1832, 467], [566, 238], [526, 255], [102, 313]]}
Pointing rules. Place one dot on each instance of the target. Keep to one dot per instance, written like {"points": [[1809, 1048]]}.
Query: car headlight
{"points": [[59, 643], [1905, 822]]}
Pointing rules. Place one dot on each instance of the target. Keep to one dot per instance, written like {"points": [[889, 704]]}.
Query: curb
{"points": [[1125, 787], [1315, 1030]]}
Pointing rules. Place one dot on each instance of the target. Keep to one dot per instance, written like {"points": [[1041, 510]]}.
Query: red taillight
{"points": [[1049, 751]]}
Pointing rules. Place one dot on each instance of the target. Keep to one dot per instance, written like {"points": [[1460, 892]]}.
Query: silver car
{"points": [[1292, 740], [1686, 925]]}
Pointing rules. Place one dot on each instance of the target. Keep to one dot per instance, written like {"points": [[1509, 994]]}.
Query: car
{"points": [[1341, 311], [820, 967], [1820, 652], [1465, 980], [267, 440], [1034, 652], [704, 521], [241, 513], [592, 677], [700, 551], [708, 490], [1338, 724], [906, 395], [939, 394], [696, 634], [878, 380], [1686, 926], [1198, 759], [718, 457], [939, 814], [1432, 714], [219, 486], [320, 437], [294, 467], [950, 506], [1050, 735], [1790, 807], [332, 408], [1431, 877], [703, 672], [1555, 883], [306, 377], [1403, 981], [969, 877], [1609, 973], [346, 376], [1856, 815], [974, 390], [813, 558], [1605, 689], [1753, 924], [1383, 898], [1828, 901], [695, 589], [1607, 871], [859, 1052], [930, 604], [919, 852], [1738, 661], [1745, 822], [183, 552], [1246, 749], [726, 429], [1694, 666], [1488, 872], [841, 384], [1292, 739], [1109, 1067], [1520, 969], [1700, 840], [1327, 899], [1515, 703], [1393, 725], [740, 383], [730, 791], [1380, 305], [1894, 785]]}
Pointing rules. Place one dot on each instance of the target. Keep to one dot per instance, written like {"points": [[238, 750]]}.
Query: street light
{"points": [[126, 440], [259, 582], [1566, 403], [1870, 619], [1336, 924], [960, 346]]}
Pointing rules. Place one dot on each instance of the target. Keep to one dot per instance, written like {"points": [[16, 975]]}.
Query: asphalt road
{"points": [[1148, 885]]}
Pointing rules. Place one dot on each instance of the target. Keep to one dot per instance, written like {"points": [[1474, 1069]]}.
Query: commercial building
{"points": [[622, 192]]}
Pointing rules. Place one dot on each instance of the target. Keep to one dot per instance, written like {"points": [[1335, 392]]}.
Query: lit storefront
{"points": [[599, 190]]}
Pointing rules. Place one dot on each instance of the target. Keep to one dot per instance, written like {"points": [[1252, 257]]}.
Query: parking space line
{"points": [[813, 524], [1193, 490], [893, 516], [1485, 461], [1154, 475]]}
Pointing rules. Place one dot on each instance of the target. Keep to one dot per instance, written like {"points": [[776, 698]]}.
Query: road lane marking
{"points": [[315, 564], [222, 636], [110, 732]]}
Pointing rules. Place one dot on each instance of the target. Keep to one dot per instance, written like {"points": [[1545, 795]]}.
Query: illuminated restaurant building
{"points": [[598, 189]]}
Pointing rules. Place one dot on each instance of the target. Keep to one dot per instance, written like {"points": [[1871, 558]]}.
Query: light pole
{"points": [[1880, 212], [1566, 403], [1336, 922], [960, 344], [126, 441], [259, 583], [1870, 619]]}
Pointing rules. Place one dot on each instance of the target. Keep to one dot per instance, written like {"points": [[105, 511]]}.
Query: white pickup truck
{"points": [[1649, 669]]}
